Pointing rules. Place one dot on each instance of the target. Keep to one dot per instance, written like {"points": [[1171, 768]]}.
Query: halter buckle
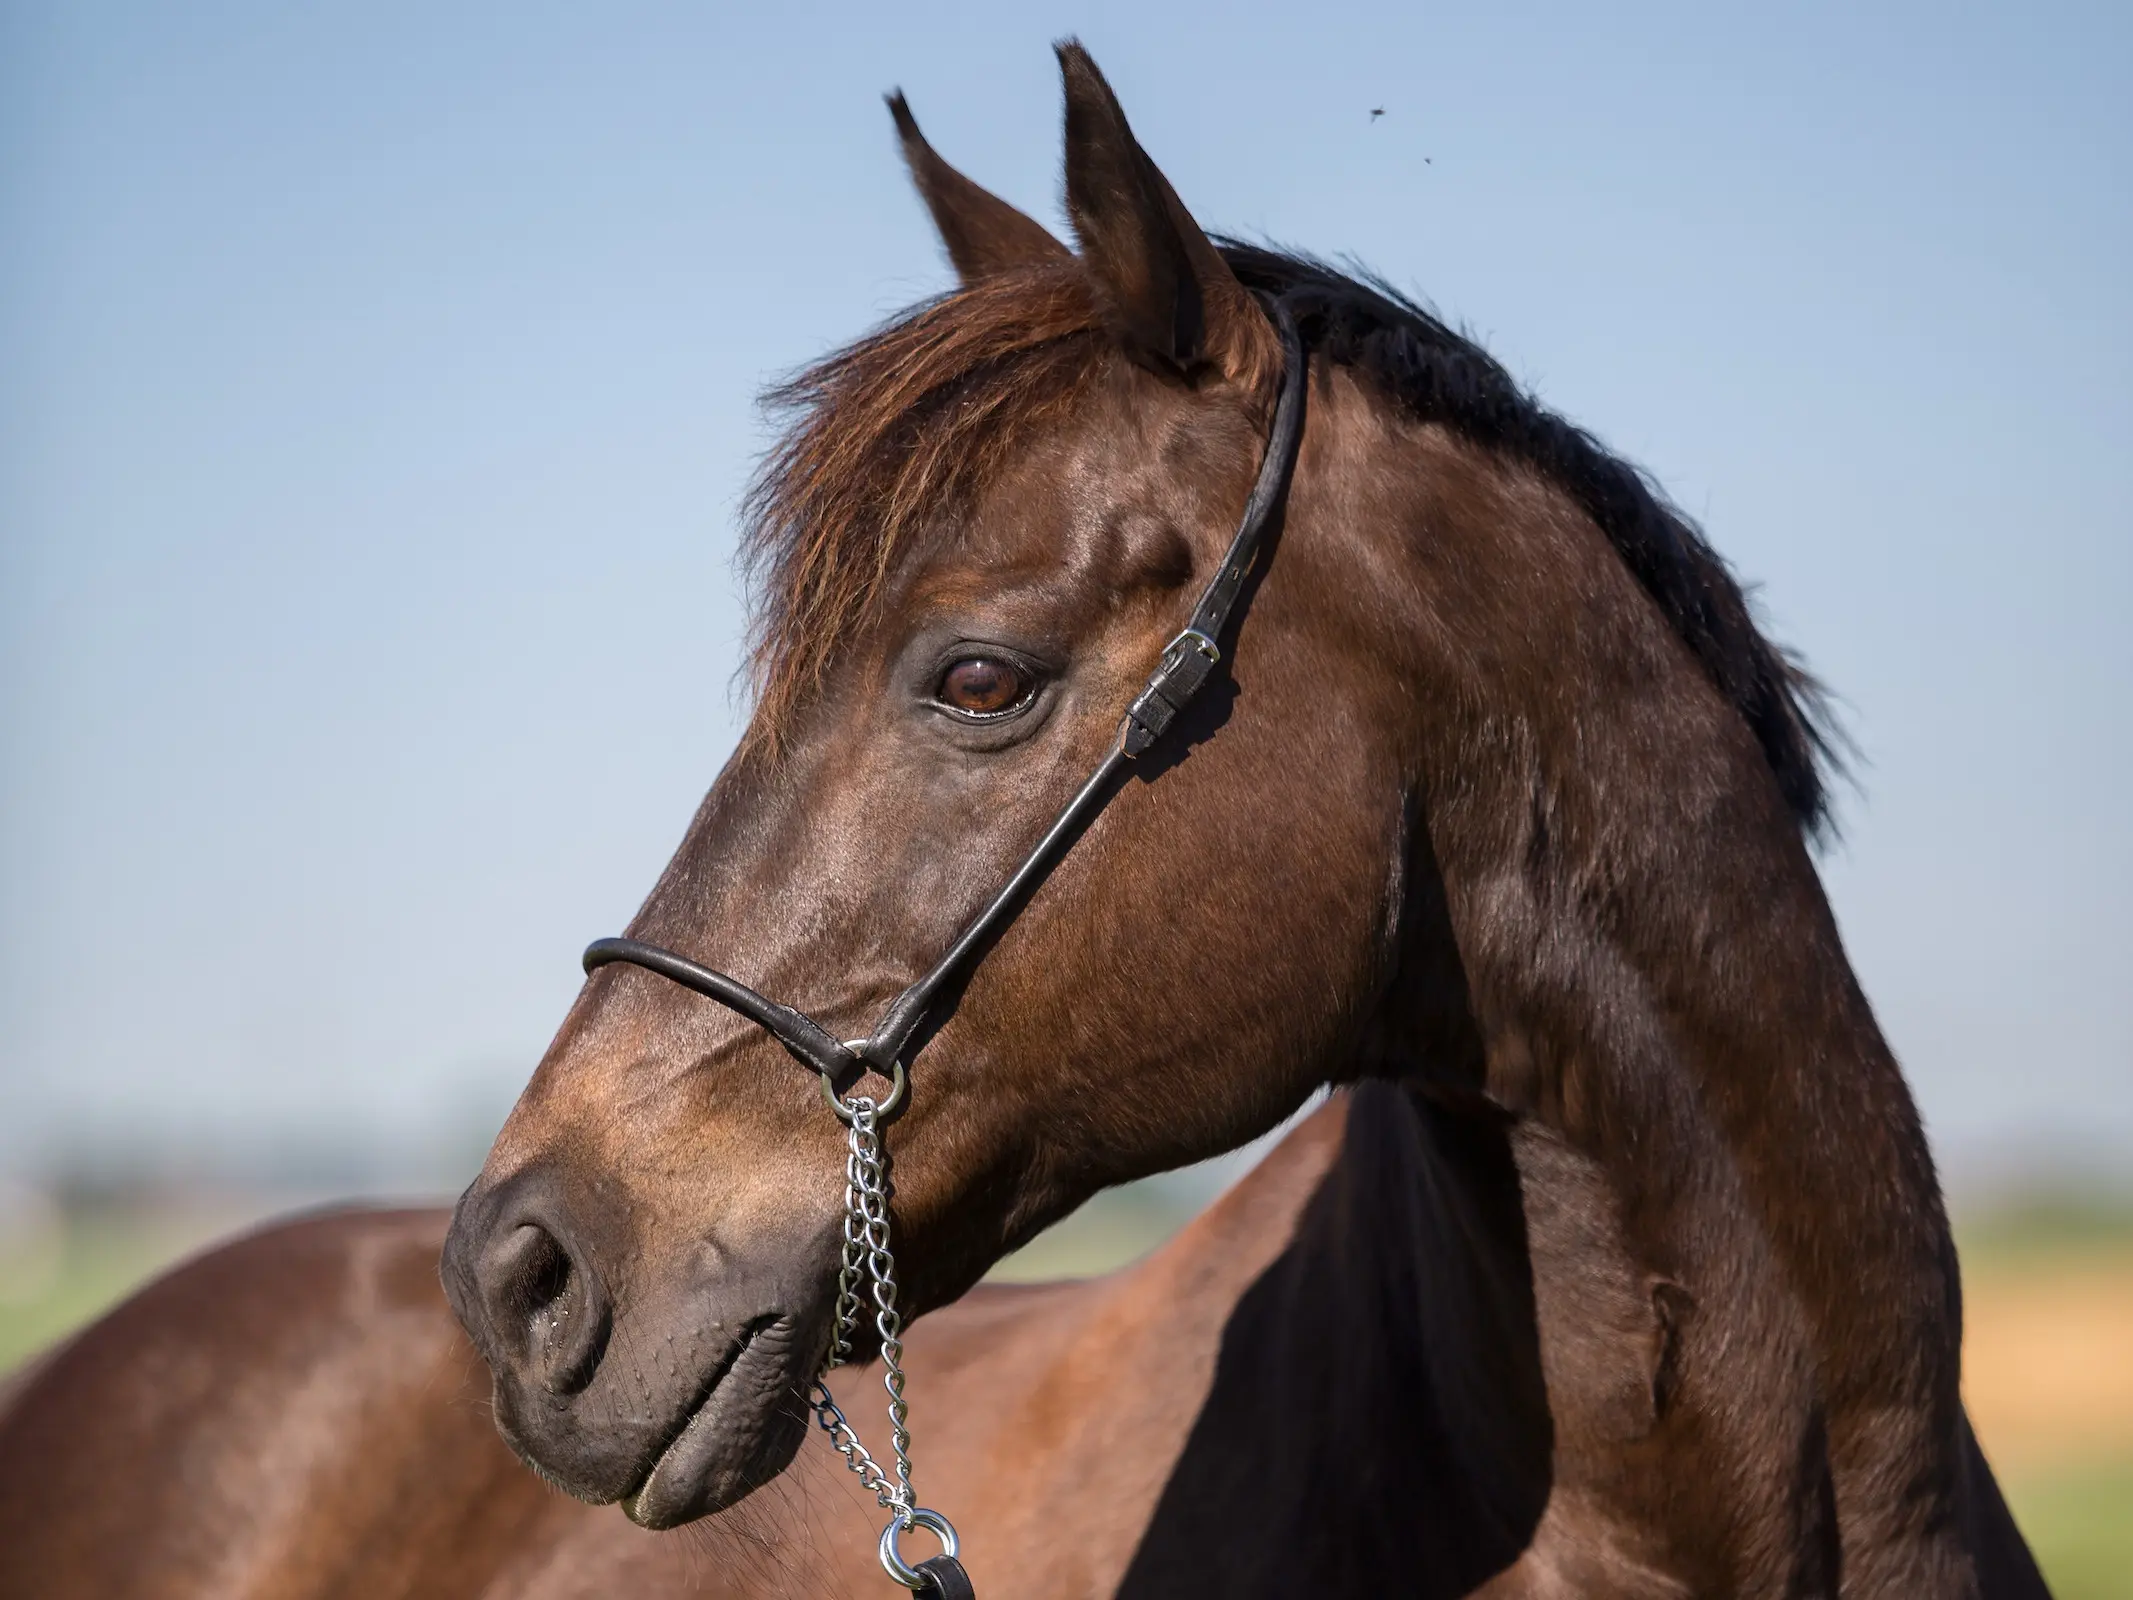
{"points": [[1199, 641], [1187, 661]]}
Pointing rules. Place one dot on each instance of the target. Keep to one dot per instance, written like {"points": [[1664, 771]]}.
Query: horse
{"points": [[1614, 1264]]}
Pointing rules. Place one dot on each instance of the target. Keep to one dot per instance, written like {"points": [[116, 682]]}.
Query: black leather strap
{"points": [[801, 1035], [907, 1014], [1194, 654], [1183, 671], [945, 1580], [1180, 675]]}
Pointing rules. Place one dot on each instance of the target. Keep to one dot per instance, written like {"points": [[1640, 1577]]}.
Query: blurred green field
{"points": [[2048, 1357], [2079, 1521]]}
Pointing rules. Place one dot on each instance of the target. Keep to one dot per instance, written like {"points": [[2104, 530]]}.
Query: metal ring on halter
{"points": [[899, 1082], [892, 1560]]}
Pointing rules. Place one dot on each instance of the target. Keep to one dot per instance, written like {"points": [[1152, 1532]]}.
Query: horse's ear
{"points": [[983, 233], [1170, 295]]}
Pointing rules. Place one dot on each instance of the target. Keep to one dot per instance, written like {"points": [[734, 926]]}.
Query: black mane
{"points": [[1439, 376]]}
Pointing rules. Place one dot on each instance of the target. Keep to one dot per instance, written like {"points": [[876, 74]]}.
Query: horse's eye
{"points": [[980, 686]]}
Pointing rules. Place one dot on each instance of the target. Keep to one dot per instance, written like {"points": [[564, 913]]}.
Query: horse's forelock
{"points": [[886, 435]]}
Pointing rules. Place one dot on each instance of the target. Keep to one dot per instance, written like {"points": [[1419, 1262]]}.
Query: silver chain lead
{"points": [[868, 1273], [868, 1265]]}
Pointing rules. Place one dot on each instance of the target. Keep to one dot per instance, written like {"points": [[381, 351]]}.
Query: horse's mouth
{"points": [[740, 1431]]}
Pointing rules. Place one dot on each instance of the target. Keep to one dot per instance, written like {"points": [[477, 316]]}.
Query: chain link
{"points": [[868, 1274]]}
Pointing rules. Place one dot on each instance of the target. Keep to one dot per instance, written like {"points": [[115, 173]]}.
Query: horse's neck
{"points": [[1613, 929], [1646, 964], [1384, 1358]]}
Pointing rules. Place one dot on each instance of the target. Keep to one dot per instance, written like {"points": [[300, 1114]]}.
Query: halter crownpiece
{"points": [[868, 1270]]}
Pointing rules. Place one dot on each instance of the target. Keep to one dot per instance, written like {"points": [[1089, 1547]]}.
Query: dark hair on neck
{"points": [[1436, 375]]}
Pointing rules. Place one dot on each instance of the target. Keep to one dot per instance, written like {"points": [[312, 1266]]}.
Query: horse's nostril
{"points": [[545, 1309], [541, 1275]]}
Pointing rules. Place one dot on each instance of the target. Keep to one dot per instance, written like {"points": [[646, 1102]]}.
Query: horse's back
{"points": [[296, 1413]]}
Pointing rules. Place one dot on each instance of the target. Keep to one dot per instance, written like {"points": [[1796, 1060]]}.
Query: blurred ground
{"points": [[2048, 1349], [2048, 1375]]}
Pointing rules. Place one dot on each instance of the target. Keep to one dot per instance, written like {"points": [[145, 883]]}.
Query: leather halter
{"points": [[1185, 667]]}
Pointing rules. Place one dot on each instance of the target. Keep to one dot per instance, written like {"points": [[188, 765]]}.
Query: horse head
{"points": [[981, 533]]}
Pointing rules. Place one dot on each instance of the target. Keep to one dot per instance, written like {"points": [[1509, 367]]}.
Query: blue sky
{"points": [[376, 388]]}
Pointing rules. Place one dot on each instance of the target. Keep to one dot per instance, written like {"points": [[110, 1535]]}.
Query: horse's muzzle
{"points": [[674, 1388]]}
